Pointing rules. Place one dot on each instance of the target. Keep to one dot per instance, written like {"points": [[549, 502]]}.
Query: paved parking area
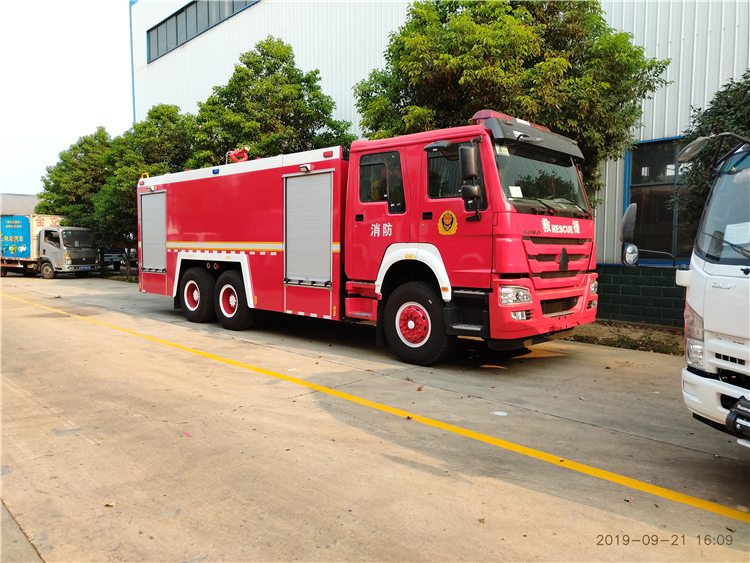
{"points": [[129, 434]]}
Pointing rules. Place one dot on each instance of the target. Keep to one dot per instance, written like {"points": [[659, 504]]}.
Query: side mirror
{"points": [[693, 149], [468, 162], [472, 193], [630, 255], [627, 234], [627, 229]]}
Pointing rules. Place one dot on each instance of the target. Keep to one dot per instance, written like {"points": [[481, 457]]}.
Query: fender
{"points": [[48, 259], [425, 253], [239, 258]]}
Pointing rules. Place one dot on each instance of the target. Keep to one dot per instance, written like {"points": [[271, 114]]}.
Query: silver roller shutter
{"points": [[308, 220], [154, 232]]}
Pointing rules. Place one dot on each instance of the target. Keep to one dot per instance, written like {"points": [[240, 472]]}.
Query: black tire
{"points": [[81, 274], [230, 302], [48, 271], [414, 324], [116, 267], [197, 295], [3, 272]]}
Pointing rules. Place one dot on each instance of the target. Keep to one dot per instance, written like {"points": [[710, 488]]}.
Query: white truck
{"points": [[33, 244], [716, 379]]}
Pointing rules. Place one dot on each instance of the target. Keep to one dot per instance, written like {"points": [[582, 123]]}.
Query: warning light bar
{"points": [[482, 116]]}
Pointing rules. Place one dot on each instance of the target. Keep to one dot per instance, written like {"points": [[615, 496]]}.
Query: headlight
{"points": [[594, 287], [630, 255], [510, 295], [693, 338], [67, 259]]}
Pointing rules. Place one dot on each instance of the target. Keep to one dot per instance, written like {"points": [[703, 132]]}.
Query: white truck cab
{"points": [[716, 379]]}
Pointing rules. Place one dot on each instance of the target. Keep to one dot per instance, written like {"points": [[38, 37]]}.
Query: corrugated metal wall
{"points": [[344, 40], [708, 44], [707, 41]]}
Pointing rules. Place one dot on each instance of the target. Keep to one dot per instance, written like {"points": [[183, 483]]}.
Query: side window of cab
{"points": [[444, 178], [52, 237], [381, 180]]}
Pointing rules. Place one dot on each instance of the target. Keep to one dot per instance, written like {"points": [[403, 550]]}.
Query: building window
{"points": [[654, 174], [193, 19]]}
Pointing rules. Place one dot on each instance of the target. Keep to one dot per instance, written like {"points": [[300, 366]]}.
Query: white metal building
{"points": [[181, 49]]}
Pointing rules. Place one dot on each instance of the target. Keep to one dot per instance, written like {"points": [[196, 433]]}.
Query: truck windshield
{"points": [[532, 178], [724, 230], [75, 238]]}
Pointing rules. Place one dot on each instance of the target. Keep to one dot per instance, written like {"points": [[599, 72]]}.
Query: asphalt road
{"points": [[129, 434]]}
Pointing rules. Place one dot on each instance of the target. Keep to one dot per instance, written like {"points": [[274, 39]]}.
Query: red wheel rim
{"points": [[228, 301], [413, 324], [192, 295]]}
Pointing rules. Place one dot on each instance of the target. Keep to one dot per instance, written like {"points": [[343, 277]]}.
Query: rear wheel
{"points": [[414, 324], [116, 266], [3, 272], [197, 295], [48, 271], [230, 302]]}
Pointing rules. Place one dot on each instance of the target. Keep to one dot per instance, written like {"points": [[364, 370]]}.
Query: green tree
{"points": [[729, 110], [556, 64], [269, 105], [69, 185], [160, 144]]}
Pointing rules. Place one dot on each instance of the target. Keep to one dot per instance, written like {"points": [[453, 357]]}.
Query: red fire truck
{"points": [[480, 231]]}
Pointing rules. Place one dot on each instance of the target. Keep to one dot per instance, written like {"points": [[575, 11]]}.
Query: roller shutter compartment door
{"points": [[308, 222], [154, 232]]}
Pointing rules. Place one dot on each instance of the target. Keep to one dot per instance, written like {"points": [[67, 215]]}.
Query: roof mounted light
{"points": [[482, 116]]}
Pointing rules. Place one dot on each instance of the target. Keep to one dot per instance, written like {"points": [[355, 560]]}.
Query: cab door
{"points": [[379, 211], [462, 236], [50, 246]]}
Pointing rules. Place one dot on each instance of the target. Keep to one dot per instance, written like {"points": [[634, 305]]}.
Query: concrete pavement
{"points": [[119, 446]]}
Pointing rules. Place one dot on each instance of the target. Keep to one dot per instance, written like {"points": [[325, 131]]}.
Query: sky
{"points": [[66, 71]]}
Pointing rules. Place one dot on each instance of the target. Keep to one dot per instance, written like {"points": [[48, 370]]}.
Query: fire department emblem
{"points": [[447, 224]]}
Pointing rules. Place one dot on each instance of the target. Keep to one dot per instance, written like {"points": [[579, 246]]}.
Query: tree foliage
{"points": [[556, 64], [69, 185], [729, 110], [160, 144], [269, 105]]}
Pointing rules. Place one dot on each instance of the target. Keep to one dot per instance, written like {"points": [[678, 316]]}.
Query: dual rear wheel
{"points": [[204, 299]]}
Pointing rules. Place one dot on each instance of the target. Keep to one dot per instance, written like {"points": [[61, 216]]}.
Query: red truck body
{"points": [[392, 236]]}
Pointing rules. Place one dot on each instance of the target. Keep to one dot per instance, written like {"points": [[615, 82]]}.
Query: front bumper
{"points": [[702, 396], [538, 322]]}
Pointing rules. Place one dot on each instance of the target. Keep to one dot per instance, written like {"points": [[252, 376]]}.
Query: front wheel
{"points": [[48, 271], [197, 295], [414, 324], [230, 302]]}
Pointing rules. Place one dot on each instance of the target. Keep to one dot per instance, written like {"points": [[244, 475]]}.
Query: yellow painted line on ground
{"points": [[536, 454]]}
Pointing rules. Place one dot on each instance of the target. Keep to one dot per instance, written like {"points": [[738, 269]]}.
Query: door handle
{"points": [[427, 215], [359, 217]]}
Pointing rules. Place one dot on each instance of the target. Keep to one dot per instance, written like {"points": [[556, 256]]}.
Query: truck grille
{"points": [[557, 274], [730, 359], [554, 257], [558, 241], [558, 307], [82, 261]]}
